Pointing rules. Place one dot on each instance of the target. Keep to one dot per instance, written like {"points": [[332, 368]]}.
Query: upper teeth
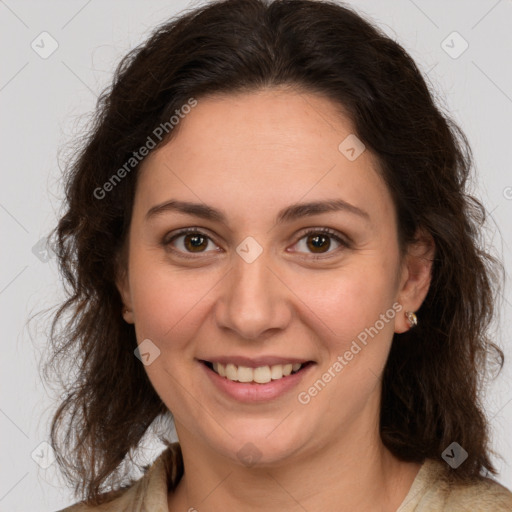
{"points": [[261, 375]]}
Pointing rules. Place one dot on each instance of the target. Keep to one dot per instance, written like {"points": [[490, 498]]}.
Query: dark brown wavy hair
{"points": [[432, 382]]}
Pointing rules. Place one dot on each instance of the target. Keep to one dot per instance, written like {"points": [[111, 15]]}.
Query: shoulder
{"points": [[114, 500], [435, 489], [147, 493], [484, 495]]}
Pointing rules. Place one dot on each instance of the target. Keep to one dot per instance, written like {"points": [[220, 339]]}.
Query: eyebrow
{"points": [[288, 214]]}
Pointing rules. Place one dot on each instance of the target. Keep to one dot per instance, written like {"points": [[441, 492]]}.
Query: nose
{"points": [[253, 300]]}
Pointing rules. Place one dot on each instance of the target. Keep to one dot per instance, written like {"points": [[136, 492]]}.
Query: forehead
{"points": [[256, 150]]}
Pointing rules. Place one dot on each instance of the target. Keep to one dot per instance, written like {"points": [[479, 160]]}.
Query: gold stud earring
{"points": [[413, 319]]}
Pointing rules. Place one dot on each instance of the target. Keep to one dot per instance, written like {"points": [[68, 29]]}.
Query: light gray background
{"points": [[43, 102]]}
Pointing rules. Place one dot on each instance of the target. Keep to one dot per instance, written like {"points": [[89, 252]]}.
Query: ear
{"points": [[416, 275], [123, 285]]}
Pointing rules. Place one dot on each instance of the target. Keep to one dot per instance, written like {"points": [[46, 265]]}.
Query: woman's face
{"points": [[256, 284]]}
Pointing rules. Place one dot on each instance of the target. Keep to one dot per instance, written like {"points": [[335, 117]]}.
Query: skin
{"points": [[250, 155]]}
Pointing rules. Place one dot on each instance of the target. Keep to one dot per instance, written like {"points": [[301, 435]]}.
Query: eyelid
{"points": [[339, 237], [167, 240], [184, 231]]}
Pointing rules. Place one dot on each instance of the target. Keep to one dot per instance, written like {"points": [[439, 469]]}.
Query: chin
{"points": [[258, 450]]}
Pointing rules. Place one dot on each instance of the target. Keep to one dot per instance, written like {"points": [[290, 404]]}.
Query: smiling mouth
{"points": [[259, 375]]}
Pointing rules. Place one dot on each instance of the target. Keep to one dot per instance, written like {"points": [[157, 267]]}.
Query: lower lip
{"points": [[254, 392]]}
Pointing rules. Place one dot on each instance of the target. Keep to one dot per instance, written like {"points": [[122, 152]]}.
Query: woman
{"points": [[268, 236]]}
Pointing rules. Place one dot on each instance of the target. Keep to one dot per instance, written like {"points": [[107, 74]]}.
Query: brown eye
{"points": [[190, 242], [195, 243], [320, 241]]}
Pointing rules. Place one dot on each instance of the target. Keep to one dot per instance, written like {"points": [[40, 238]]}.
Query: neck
{"points": [[358, 473]]}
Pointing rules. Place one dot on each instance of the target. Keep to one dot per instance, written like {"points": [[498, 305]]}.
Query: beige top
{"points": [[430, 490]]}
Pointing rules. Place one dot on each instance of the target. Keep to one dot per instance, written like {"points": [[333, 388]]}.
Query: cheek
{"points": [[169, 307], [166, 301], [344, 302]]}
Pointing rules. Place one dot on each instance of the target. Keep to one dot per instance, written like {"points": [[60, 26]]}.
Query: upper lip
{"points": [[253, 362]]}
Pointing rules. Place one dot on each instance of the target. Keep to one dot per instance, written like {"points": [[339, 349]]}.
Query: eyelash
{"points": [[312, 231]]}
